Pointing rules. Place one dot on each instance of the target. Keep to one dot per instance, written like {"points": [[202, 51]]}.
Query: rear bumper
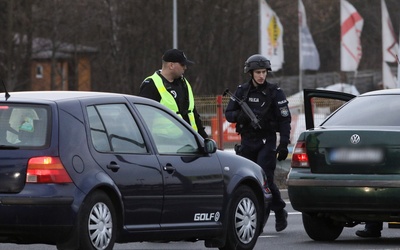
{"points": [[41, 213], [36, 201], [345, 194]]}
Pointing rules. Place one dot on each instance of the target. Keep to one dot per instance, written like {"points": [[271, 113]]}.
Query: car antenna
{"points": [[5, 90]]}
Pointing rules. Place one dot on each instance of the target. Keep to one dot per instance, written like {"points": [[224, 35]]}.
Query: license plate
{"points": [[365, 155]]}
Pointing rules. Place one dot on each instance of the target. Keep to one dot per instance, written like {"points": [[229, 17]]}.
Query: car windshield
{"points": [[379, 110]]}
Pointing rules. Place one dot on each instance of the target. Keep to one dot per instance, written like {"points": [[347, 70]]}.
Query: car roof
{"points": [[62, 95], [383, 92]]}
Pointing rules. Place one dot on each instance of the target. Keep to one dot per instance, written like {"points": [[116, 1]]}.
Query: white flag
{"points": [[271, 34], [351, 26], [389, 43], [388, 79], [309, 56]]}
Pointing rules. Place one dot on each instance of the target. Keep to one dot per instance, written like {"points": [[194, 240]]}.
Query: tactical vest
{"points": [[168, 100], [267, 121]]}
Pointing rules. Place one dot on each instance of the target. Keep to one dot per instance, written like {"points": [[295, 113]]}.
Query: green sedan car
{"points": [[346, 170]]}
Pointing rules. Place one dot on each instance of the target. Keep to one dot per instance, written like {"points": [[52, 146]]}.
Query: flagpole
{"points": [[259, 27], [383, 23], [300, 79], [383, 47], [398, 62], [355, 77], [300, 57], [341, 54], [175, 24]]}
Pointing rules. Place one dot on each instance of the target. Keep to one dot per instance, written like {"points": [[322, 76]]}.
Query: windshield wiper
{"points": [[5, 90]]}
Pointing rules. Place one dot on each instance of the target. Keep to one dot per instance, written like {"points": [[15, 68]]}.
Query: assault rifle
{"points": [[246, 109]]}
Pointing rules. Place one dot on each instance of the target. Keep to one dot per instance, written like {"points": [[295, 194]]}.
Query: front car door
{"points": [[319, 104], [193, 180]]}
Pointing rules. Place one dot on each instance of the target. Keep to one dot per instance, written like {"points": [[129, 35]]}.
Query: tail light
{"points": [[299, 157], [46, 169]]}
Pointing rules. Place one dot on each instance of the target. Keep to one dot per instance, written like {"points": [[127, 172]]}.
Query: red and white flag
{"points": [[351, 26], [389, 42], [271, 36]]}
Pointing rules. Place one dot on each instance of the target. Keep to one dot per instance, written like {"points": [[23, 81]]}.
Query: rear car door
{"points": [[319, 104], [120, 149], [193, 180]]}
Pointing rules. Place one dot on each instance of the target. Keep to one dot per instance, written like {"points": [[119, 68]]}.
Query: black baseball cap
{"points": [[175, 55]]}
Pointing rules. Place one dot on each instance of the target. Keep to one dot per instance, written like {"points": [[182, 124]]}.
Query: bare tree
{"points": [[219, 35], [15, 54]]}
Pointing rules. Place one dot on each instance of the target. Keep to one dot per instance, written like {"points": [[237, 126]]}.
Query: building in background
{"points": [[60, 66]]}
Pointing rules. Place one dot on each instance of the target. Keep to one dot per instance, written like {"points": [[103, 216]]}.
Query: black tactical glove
{"points": [[282, 151], [242, 118]]}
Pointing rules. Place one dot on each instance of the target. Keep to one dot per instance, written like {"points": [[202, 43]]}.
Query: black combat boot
{"points": [[371, 230], [281, 220], [368, 233]]}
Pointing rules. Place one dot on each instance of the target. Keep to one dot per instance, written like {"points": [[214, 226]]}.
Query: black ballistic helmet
{"points": [[257, 61]]}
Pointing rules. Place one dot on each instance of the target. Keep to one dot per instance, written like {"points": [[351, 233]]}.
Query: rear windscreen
{"points": [[24, 125], [380, 110]]}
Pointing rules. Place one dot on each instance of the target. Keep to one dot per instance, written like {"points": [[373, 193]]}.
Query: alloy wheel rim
{"points": [[245, 220], [100, 226]]}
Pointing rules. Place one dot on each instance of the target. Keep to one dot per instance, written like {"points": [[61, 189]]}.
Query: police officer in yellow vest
{"points": [[169, 87]]}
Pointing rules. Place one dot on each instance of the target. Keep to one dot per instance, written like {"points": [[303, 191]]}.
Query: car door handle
{"points": [[113, 166], [169, 168]]}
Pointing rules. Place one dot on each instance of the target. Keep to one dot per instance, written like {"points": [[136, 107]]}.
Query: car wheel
{"points": [[98, 223], [321, 229], [243, 221]]}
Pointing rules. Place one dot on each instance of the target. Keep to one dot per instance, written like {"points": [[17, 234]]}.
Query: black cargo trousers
{"points": [[262, 150]]}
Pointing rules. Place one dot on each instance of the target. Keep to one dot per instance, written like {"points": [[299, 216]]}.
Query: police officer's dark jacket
{"points": [[268, 103]]}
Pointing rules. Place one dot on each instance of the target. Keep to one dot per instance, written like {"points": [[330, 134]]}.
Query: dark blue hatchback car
{"points": [[83, 170]]}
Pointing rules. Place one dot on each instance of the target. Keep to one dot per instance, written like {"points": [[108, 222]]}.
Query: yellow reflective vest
{"points": [[168, 100]]}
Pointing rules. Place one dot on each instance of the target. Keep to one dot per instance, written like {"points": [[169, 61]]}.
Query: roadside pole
{"points": [[220, 142]]}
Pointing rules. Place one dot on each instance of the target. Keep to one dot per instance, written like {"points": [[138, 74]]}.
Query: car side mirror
{"points": [[210, 146]]}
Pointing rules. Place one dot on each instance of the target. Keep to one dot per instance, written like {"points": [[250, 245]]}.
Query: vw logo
{"points": [[355, 139]]}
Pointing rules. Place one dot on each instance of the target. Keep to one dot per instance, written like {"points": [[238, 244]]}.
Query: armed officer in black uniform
{"points": [[258, 141]]}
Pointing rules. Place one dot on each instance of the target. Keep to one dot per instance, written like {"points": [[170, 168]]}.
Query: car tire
{"points": [[321, 229], [98, 223], [243, 227]]}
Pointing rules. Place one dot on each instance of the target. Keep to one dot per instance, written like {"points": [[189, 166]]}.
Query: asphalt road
{"points": [[294, 237]]}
